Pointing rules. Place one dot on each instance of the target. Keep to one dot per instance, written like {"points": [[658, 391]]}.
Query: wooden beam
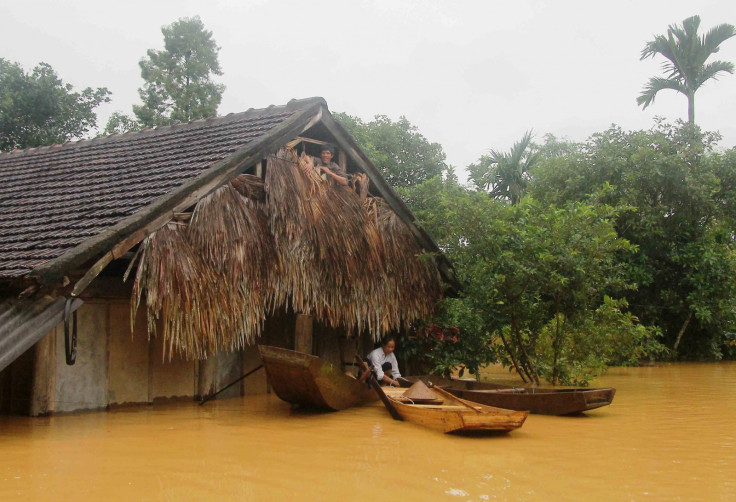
{"points": [[300, 139], [119, 250], [303, 333], [44, 376]]}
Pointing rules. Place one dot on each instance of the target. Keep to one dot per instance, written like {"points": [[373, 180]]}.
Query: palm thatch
{"points": [[320, 234], [412, 275], [176, 280], [294, 241]]}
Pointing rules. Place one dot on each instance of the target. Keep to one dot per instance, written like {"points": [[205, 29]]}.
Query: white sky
{"points": [[471, 75]]}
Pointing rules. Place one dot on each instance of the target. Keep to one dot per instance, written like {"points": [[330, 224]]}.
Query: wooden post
{"points": [[303, 334], [44, 376]]}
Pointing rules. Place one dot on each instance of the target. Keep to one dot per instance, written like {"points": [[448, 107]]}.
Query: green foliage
{"points": [[402, 154], [686, 53], [682, 224], [38, 108], [594, 340], [553, 148], [461, 346], [178, 80], [506, 175], [120, 123], [526, 268]]}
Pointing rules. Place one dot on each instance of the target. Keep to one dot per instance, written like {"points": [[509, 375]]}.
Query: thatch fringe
{"points": [[179, 286], [294, 241]]}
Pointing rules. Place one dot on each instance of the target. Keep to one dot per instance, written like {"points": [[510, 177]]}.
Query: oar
{"points": [[377, 387], [230, 385]]}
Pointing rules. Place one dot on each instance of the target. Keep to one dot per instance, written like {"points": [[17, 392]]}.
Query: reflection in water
{"points": [[669, 435]]}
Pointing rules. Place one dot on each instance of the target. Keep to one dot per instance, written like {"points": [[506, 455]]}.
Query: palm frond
{"points": [[655, 85], [712, 70], [716, 36]]}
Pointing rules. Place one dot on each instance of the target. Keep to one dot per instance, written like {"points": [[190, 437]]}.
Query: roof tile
{"points": [[53, 198]]}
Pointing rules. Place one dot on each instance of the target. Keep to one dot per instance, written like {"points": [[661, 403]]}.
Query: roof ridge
{"points": [[291, 106]]}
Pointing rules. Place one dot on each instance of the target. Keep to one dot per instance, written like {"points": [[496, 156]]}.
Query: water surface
{"points": [[669, 435]]}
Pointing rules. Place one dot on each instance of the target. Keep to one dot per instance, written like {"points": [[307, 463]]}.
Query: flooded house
{"points": [[145, 266]]}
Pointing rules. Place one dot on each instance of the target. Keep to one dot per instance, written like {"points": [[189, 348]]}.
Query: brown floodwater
{"points": [[669, 435]]}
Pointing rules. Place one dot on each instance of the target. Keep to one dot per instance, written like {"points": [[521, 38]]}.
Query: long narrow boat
{"points": [[309, 381], [448, 413], [535, 400]]}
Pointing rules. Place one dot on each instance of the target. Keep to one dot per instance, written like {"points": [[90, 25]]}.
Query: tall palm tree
{"points": [[506, 174], [686, 67]]}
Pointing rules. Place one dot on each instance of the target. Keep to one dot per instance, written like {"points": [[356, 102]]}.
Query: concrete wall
{"points": [[115, 367], [255, 383], [129, 357], [83, 385]]}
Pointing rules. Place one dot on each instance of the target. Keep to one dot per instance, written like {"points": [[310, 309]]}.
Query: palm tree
{"points": [[686, 54], [506, 174]]}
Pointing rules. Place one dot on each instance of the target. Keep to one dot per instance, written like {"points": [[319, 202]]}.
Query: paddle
{"points": [[230, 385], [377, 387]]}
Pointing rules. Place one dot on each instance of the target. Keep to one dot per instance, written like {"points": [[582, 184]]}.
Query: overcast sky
{"points": [[471, 75]]}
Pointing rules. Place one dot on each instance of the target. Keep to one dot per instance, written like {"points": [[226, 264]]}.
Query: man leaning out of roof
{"points": [[331, 169]]}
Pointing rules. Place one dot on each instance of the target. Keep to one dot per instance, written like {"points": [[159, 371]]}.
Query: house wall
{"points": [[129, 357], [115, 367], [83, 385]]}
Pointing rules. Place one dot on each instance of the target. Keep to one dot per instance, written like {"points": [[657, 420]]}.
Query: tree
{"points": [[402, 154], [686, 53], [683, 224], [178, 80], [506, 175], [38, 108], [542, 286], [120, 123]]}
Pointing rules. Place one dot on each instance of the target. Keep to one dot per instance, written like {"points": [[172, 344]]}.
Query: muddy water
{"points": [[669, 435]]}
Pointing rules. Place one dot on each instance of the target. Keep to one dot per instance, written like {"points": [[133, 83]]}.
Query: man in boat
{"points": [[331, 169], [384, 355]]}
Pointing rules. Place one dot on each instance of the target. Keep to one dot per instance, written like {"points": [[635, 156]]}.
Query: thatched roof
{"points": [[293, 241], [76, 207]]}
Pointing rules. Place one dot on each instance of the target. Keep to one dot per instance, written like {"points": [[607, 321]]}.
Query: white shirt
{"points": [[377, 357]]}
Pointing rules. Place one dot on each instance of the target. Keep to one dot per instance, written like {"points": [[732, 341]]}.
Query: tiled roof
{"points": [[54, 198]]}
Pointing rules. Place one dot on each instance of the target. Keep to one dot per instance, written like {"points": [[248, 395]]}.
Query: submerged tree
{"points": [[179, 85], [686, 53], [506, 174], [543, 290], [683, 224], [38, 108]]}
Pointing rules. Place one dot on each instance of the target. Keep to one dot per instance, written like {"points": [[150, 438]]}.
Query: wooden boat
{"points": [[448, 413], [309, 381], [534, 400]]}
